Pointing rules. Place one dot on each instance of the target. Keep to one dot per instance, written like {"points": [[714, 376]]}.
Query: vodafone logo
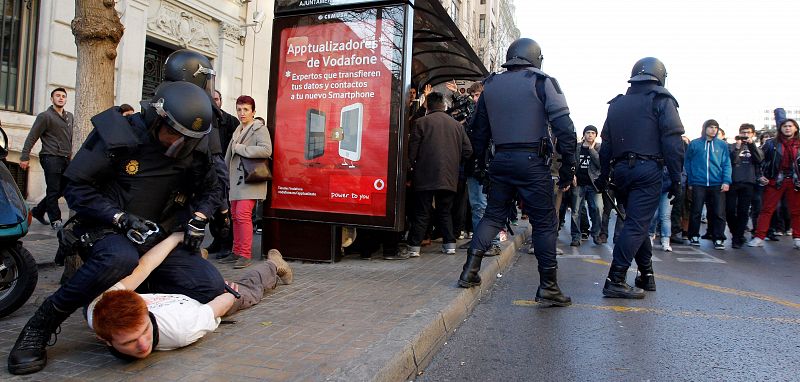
{"points": [[379, 184]]}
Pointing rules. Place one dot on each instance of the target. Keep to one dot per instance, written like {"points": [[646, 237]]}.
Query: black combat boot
{"points": [[469, 277], [548, 293], [617, 288], [29, 354], [645, 278]]}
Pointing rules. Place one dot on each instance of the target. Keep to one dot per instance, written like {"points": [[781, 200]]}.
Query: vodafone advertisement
{"points": [[332, 116]]}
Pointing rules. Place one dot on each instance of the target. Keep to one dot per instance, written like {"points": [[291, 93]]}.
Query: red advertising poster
{"points": [[332, 116]]}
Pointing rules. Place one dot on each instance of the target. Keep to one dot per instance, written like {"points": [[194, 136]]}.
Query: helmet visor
{"points": [[181, 147], [170, 120], [210, 76]]}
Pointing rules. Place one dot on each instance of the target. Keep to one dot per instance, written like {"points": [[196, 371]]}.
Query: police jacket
{"points": [[121, 167], [515, 110], [644, 121]]}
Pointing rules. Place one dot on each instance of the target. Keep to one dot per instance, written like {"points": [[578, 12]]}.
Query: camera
{"points": [[462, 107], [741, 138]]}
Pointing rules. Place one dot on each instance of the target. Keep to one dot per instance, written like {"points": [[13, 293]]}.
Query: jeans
{"points": [[184, 272], [593, 199], [54, 167], [242, 215], [714, 199], [772, 195], [477, 200], [663, 215], [737, 208]]}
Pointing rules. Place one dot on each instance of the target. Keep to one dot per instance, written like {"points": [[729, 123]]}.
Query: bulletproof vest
{"points": [[633, 125], [147, 182], [515, 112]]}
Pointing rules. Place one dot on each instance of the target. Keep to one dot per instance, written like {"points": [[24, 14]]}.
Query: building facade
{"points": [[39, 54], [488, 25]]}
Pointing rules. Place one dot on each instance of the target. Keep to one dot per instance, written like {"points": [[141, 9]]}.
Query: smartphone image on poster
{"points": [[315, 134], [352, 126]]}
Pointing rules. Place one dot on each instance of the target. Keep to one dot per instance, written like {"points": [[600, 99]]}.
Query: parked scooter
{"points": [[18, 273]]}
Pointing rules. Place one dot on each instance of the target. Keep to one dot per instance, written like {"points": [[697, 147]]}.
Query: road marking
{"points": [[674, 313], [705, 257], [716, 288]]}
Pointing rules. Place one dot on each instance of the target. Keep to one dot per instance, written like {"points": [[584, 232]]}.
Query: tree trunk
{"points": [[97, 30]]}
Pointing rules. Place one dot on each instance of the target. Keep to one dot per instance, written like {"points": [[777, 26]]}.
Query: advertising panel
{"points": [[335, 90], [293, 5]]}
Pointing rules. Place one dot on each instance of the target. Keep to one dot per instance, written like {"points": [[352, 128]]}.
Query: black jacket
{"points": [[437, 145], [746, 162]]}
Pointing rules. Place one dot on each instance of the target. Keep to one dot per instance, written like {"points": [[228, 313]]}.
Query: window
{"points": [[482, 26], [17, 52], [483, 1], [454, 10], [154, 57]]}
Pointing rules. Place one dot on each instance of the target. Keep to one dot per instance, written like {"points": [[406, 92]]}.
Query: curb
{"points": [[401, 360]]}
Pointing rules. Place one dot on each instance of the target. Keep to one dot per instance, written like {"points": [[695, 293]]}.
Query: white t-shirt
{"points": [[180, 319]]}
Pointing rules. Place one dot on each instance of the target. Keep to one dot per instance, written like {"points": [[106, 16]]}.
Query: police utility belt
{"points": [[631, 158]]}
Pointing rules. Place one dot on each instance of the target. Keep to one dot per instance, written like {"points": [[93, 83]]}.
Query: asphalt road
{"points": [[731, 315]]}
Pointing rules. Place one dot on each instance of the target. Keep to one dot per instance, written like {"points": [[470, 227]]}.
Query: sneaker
{"points": [[531, 251], [469, 235], [494, 250], [602, 238], [38, 216], [796, 243], [284, 272], [737, 243], [559, 251], [676, 239], [242, 262], [223, 253], [695, 241], [772, 237], [448, 251], [402, 255], [229, 259], [575, 243], [719, 244], [778, 233], [462, 235], [56, 225], [755, 242], [584, 236], [665, 245]]}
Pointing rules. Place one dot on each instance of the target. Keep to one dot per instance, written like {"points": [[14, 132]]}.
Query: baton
{"points": [[231, 291], [608, 199]]}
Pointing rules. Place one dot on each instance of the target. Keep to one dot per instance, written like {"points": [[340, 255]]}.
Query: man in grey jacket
{"points": [[587, 171], [54, 127], [437, 145]]}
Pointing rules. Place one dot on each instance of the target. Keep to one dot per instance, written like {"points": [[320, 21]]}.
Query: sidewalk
{"points": [[355, 320]]}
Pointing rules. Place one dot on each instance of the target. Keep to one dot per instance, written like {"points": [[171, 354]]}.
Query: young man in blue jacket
{"points": [[708, 171]]}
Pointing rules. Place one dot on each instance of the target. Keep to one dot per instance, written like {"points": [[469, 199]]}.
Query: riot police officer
{"points": [[514, 111], [192, 67], [642, 133], [134, 177]]}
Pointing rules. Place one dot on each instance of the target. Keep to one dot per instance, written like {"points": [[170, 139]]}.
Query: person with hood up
{"points": [[708, 172], [781, 177]]}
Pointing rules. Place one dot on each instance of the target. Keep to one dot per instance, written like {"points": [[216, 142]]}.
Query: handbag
{"points": [[256, 170]]}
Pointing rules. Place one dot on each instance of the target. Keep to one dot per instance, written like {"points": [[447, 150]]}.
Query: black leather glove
{"points": [[128, 222], [220, 226], [565, 175], [195, 233], [674, 191]]}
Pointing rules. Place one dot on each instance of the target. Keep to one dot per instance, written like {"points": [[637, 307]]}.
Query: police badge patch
{"points": [[132, 167], [197, 124]]}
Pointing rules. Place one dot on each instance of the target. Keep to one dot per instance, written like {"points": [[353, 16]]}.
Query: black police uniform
{"points": [[514, 111], [642, 133], [121, 167]]}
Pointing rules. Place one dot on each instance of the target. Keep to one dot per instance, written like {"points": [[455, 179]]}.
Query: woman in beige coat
{"points": [[250, 140]]}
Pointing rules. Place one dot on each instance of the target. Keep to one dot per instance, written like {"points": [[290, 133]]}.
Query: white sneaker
{"points": [[665, 245], [449, 251], [797, 243], [758, 242]]}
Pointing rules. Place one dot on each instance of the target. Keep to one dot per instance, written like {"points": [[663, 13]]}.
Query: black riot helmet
{"points": [[524, 52], [185, 110], [649, 69], [190, 66]]}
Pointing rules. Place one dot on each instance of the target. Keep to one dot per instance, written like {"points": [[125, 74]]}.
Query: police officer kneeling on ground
{"points": [[134, 178], [514, 111], [642, 133]]}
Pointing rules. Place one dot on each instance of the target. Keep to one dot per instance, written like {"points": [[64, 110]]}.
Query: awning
{"points": [[440, 52]]}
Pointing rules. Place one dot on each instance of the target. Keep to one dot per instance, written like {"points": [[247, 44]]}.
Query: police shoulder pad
{"points": [[662, 91], [115, 129], [489, 79], [614, 99]]}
